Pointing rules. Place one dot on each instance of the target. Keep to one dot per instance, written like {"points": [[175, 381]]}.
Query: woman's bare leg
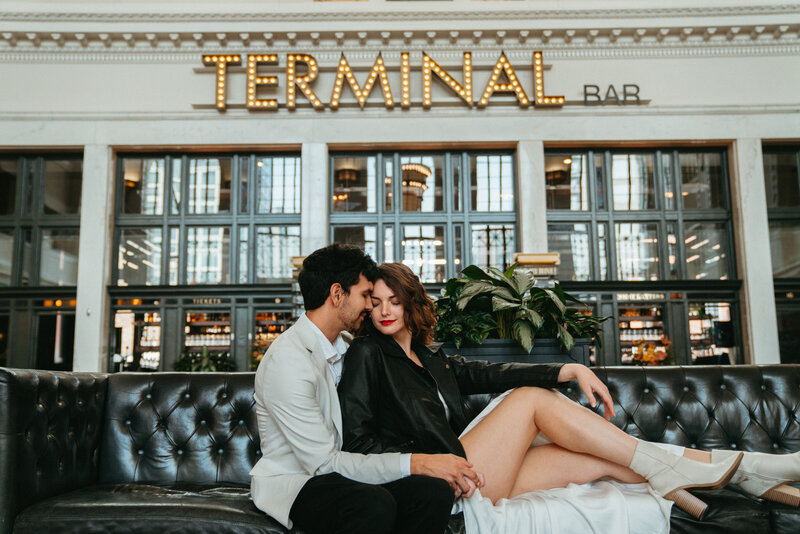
{"points": [[498, 445], [551, 466]]}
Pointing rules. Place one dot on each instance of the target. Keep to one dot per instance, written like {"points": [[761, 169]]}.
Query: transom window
{"points": [[433, 211]]}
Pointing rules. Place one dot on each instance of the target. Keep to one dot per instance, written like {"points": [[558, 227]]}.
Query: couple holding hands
{"points": [[394, 448]]}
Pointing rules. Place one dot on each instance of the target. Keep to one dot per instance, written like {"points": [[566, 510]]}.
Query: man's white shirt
{"points": [[334, 354]]}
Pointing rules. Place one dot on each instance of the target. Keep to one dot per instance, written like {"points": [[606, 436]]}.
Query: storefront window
{"points": [[144, 186], [789, 334], [711, 333], [784, 240], [59, 258], [208, 255], [706, 251], [278, 185], [8, 186], [422, 183], [209, 329], [423, 251], [781, 177], [275, 246], [702, 180], [55, 339], [139, 257], [6, 255], [364, 237], [62, 187], [573, 242], [209, 185], [642, 334], [354, 184], [637, 251], [633, 181], [492, 245], [4, 323], [268, 326], [492, 183], [138, 340]]}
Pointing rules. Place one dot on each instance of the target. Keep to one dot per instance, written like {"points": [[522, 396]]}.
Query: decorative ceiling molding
{"points": [[327, 15], [168, 43]]}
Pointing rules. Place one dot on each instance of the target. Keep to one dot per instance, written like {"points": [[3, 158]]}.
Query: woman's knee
{"points": [[534, 394]]}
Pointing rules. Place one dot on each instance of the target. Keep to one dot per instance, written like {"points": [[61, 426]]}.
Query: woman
{"points": [[397, 395]]}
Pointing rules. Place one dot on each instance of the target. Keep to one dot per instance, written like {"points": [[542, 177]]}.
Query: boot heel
{"points": [[783, 494], [688, 503]]}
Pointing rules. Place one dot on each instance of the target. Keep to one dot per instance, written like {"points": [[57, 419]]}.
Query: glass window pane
{"points": [[211, 329], [388, 243], [6, 256], [782, 179], [784, 242], [458, 246], [209, 185], [789, 335], [602, 238], [139, 257], [173, 265], [62, 186], [633, 184], [388, 191], [456, 162], [492, 245], [207, 255], [244, 254], [642, 336], [354, 183], [673, 267], [702, 180], [706, 251], [275, 247], [269, 325], [144, 186], [138, 340], [423, 251], [711, 333], [637, 251], [364, 237], [422, 183], [668, 181], [244, 185], [573, 242], [8, 186], [175, 185], [278, 182], [26, 274], [59, 258], [30, 183], [4, 323], [566, 184], [492, 183], [55, 341]]}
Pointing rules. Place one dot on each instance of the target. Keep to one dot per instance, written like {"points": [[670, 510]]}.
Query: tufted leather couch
{"points": [[171, 452]]}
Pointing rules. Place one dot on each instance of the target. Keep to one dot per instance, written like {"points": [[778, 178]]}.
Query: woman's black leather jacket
{"points": [[390, 404]]}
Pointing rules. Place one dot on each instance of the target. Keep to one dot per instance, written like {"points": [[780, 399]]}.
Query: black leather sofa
{"points": [[171, 452]]}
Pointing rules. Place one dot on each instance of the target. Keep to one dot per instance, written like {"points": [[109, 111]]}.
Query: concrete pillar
{"points": [[751, 230], [93, 310], [314, 197], [532, 206]]}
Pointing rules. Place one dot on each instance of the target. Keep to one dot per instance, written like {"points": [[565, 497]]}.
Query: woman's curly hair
{"points": [[419, 308]]}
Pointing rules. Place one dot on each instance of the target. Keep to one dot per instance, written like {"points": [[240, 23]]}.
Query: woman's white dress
{"points": [[597, 507]]}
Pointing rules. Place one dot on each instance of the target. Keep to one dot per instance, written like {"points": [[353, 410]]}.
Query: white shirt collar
{"points": [[333, 352]]}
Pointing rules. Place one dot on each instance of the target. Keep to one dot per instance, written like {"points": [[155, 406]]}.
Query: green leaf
{"points": [[499, 303], [510, 271], [474, 272], [507, 294], [523, 333], [534, 317], [523, 281], [472, 289], [556, 300], [566, 338]]}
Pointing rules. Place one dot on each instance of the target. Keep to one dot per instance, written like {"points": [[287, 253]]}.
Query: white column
{"points": [[314, 197], [532, 204], [94, 260], [751, 230]]}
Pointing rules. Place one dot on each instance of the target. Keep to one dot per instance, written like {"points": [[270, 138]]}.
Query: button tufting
{"points": [[179, 451], [685, 388], [669, 418], [140, 452], [148, 396], [764, 387], [220, 451], [733, 445], [775, 445], [224, 395], [646, 390], [186, 395], [693, 445], [128, 422], [723, 386], [203, 422], [569, 390], [241, 422]]}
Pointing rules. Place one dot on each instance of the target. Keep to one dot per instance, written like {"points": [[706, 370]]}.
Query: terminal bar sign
{"points": [[302, 71]]}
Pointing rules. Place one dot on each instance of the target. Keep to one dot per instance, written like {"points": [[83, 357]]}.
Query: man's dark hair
{"points": [[330, 265]]}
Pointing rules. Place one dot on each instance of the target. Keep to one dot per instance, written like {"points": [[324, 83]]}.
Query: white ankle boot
{"points": [[671, 475], [766, 475]]}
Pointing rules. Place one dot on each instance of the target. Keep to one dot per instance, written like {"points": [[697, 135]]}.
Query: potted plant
{"points": [[502, 316]]}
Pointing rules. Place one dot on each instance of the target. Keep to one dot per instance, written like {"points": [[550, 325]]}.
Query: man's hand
{"points": [[589, 384], [454, 469]]}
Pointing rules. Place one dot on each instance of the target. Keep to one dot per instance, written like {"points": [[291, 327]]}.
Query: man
{"points": [[303, 478]]}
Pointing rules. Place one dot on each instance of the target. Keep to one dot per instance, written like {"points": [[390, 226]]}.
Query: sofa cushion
{"points": [[139, 508]]}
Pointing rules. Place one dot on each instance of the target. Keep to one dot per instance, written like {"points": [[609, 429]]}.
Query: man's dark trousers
{"points": [[333, 504]]}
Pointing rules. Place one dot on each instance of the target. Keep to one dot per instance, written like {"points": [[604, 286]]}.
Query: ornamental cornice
{"points": [[328, 15], [616, 42]]}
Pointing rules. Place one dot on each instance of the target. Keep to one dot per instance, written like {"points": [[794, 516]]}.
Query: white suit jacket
{"points": [[300, 425]]}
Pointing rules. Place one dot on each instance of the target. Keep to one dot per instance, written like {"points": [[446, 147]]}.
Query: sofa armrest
{"points": [[50, 427]]}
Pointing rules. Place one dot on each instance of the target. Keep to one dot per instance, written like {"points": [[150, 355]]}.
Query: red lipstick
{"points": [[387, 323]]}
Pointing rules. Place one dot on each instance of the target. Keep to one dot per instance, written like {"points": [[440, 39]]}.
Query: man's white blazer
{"points": [[300, 425]]}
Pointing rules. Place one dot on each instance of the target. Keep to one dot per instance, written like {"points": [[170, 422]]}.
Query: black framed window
{"points": [[433, 211], [782, 184], [647, 226]]}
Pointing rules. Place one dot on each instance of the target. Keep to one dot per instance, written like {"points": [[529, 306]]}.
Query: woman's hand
{"points": [[457, 471], [589, 384]]}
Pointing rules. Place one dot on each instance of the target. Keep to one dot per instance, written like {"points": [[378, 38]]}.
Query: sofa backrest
{"points": [[745, 407], [167, 428], [50, 427]]}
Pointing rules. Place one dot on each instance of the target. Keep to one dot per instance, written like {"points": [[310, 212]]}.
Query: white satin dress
{"points": [[600, 507]]}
